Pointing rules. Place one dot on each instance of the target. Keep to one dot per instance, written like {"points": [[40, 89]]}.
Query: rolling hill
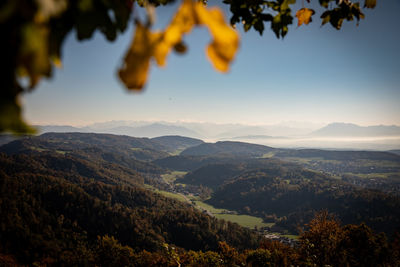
{"points": [[131, 147], [228, 147], [175, 143], [212, 175], [191, 163]]}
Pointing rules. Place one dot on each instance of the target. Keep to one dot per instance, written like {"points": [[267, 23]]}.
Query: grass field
{"points": [[176, 196], [172, 176], [136, 149], [38, 149], [172, 195], [243, 220], [268, 155], [375, 175], [210, 208], [177, 152]]}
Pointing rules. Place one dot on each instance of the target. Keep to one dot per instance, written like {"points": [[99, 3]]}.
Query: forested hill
{"points": [[289, 197], [55, 206], [98, 154], [104, 140], [212, 175], [136, 148], [228, 147], [219, 171], [190, 163], [175, 143]]}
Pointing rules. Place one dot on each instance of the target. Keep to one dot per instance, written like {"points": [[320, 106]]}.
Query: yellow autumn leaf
{"points": [[304, 16], [225, 44], [147, 45], [136, 65], [182, 23], [56, 61]]}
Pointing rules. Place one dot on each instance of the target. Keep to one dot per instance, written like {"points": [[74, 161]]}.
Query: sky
{"points": [[315, 74]]}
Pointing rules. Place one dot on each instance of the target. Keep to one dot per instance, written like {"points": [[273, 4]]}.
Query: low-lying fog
{"points": [[368, 143]]}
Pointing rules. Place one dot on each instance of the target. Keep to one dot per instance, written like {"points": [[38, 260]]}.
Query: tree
{"points": [[33, 32], [109, 252], [320, 243], [363, 247], [326, 243]]}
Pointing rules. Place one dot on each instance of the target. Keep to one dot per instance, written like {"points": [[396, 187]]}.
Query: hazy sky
{"points": [[316, 74]]}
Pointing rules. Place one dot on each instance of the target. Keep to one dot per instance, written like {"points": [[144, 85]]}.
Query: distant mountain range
{"points": [[331, 136], [150, 130], [255, 137], [202, 130], [59, 129], [224, 131], [353, 130]]}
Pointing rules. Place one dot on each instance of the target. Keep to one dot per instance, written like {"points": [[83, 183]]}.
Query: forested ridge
{"points": [[137, 148]]}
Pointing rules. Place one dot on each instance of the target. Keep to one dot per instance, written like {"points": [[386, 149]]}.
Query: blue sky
{"points": [[316, 74]]}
